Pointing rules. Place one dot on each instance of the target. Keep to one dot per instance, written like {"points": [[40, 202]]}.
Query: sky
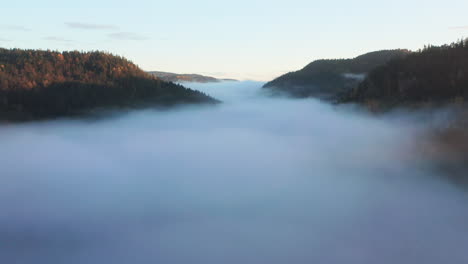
{"points": [[243, 39]]}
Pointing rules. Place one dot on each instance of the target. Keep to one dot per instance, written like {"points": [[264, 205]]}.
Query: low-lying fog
{"points": [[253, 180]]}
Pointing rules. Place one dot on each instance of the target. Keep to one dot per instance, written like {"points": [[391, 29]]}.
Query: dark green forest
{"points": [[327, 78], [36, 84], [433, 75]]}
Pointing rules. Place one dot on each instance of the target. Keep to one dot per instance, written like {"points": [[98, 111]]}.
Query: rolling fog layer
{"points": [[253, 180]]}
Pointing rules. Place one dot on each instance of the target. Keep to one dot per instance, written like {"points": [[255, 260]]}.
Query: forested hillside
{"points": [[38, 84], [327, 78], [176, 77], [431, 75]]}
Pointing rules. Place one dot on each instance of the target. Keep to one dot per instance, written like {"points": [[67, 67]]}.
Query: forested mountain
{"points": [[38, 84], [431, 75], [326, 78], [177, 77], [426, 79]]}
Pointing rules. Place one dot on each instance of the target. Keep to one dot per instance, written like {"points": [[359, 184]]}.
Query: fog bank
{"points": [[253, 180]]}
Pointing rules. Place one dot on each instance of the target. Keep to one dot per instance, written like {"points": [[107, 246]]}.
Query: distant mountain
{"points": [[176, 77], [432, 75], [37, 84], [327, 78]]}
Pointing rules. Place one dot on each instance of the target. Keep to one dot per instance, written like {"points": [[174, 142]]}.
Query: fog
{"points": [[253, 180]]}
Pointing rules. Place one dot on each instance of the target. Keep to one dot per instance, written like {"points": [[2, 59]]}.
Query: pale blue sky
{"points": [[245, 39]]}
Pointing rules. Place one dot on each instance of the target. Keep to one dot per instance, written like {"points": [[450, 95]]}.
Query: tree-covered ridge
{"points": [[43, 84], [177, 77], [433, 74], [28, 69], [329, 77]]}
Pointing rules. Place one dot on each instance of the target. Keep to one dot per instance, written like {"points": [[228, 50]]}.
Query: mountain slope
{"points": [[433, 75], [326, 78], [428, 79], [176, 77], [38, 84]]}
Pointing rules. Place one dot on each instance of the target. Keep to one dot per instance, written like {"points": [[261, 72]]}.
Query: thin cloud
{"points": [[5, 40], [460, 28], [78, 25], [127, 36], [58, 39], [14, 28]]}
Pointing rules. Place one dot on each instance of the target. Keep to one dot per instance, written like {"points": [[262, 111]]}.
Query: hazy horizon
{"points": [[255, 40]]}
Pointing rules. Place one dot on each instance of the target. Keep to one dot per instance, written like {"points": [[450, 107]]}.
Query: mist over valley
{"points": [[255, 179]]}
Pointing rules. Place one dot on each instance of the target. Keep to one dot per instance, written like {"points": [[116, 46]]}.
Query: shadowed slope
{"points": [[44, 84], [326, 78]]}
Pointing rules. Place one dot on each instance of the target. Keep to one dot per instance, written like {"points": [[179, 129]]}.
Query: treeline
{"points": [[176, 77], [329, 77], [435, 74], [38, 84]]}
